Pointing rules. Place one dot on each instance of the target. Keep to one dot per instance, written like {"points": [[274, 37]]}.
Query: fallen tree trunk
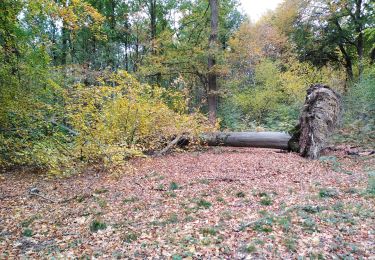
{"points": [[275, 140], [319, 117]]}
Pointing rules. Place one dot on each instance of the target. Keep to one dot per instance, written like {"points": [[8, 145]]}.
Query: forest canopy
{"points": [[85, 81]]}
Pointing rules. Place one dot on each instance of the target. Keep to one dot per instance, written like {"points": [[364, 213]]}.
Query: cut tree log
{"points": [[319, 118], [277, 140]]}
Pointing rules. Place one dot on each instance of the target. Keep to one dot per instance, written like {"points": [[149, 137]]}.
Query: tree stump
{"points": [[320, 116]]}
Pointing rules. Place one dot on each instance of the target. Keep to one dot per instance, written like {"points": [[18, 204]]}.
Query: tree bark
{"points": [[359, 31], [65, 39], [275, 140], [319, 118], [152, 11], [348, 63], [212, 77]]}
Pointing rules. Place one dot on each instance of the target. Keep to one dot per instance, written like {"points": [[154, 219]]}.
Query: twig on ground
{"points": [[224, 179]]}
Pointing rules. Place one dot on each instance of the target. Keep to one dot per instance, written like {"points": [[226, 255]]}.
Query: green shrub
{"points": [[359, 113], [59, 129]]}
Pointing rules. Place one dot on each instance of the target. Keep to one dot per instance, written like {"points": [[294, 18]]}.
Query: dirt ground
{"points": [[222, 203]]}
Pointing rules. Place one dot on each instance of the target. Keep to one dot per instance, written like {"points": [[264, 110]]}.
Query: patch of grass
{"points": [[258, 241], [285, 223], [210, 231], [220, 199], [177, 257], [264, 225], [130, 200], [206, 241], [173, 186], [311, 209], [371, 183], [328, 193], [97, 225], [102, 203], [250, 248], [130, 237], [204, 181], [338, 206], [204, 204], [30, 220], [188, 219], [262, 194], [309, 225], [160, 187], [75, 243], [172, 219], [266, 201], [226, 215], [291, 244], [81, 199], [27, 232], [240, 194], [190, 240], [100, 191], [170, 194]]}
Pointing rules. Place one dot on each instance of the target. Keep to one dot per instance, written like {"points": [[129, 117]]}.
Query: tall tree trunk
{"points": [[212, 77], [136, 59], [65, 39], [65, 44], [372, 56], [152, 10], [111, 45], [54, 44], [127, 46], [359, 31], [348, 62]]}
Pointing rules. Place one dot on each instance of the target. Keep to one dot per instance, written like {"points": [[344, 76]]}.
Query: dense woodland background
{"points": [[85, 81]]}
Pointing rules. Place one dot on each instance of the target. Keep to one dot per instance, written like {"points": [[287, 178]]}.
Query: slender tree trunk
{"points": [[136, 59], [348, 62], [54, 45], [360, 39], [127, 47], [65, 44], [110, 46], [65, 39], [152, 10], [212, 77], [372, 56]]}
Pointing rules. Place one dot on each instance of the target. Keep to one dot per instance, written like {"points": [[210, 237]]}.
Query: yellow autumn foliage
{"points": [[126, 118]]}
